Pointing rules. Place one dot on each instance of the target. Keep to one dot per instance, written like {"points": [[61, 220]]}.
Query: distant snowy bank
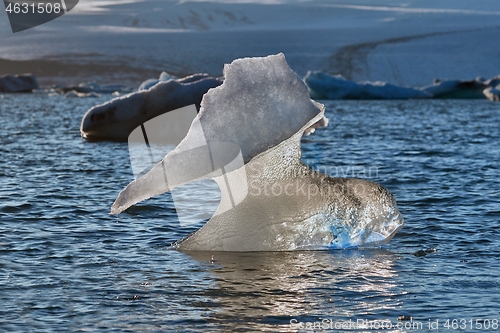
{"points": [[404, 43]]}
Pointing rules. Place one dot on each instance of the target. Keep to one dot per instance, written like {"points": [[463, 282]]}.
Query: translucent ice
{"points": [[247, 138]]}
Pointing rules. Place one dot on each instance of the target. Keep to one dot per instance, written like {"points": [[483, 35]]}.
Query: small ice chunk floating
{"points": [[164, 76], [247, 138], [493, 94]]}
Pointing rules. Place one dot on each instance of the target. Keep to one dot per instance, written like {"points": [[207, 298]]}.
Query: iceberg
{"points": [[493, 82], [75, 94], [18, 83], [116, 119], [91, 88], [247, 138], [164, 76], [324, 86], [493, 94], [456, 89]]}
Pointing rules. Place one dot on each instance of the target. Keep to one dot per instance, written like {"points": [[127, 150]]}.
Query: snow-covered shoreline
{"points": [[404, 43]]}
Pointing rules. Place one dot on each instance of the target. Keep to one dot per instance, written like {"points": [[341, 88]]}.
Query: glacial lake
{"points": [[67, 265]]}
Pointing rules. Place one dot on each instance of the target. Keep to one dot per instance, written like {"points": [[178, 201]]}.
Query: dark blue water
{"points": [[66, 265]]}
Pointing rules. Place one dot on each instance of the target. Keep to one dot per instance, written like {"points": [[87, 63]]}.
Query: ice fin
{"points": [[255, 109], [151, 184]]}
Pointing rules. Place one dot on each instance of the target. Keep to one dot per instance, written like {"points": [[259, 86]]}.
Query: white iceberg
{"points": [[456, 89], [117, 118], [493, 94], [493, 82], [247, 138], [89, 89], [324, 86], [75, 94], [164, 76]]}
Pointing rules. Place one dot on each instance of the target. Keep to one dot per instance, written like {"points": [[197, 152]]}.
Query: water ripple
{"points": [[66, 264]]}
